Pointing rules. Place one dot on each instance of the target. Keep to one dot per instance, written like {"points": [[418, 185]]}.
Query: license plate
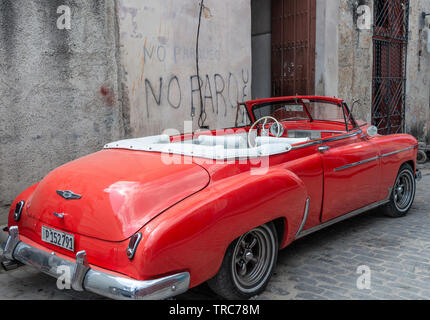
{"points": [[58, 238]]}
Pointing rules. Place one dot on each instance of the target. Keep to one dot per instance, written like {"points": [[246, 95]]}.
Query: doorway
{"points": [[293, 47]]}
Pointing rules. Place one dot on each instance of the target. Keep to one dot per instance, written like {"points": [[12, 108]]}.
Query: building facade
{"points": [[75, 74], [372, 53]]}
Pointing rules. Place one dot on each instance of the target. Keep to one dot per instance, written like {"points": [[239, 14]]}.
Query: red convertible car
{"points": [[150, 218]]}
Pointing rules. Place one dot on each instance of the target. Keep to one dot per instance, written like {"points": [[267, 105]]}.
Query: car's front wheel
{"points": [[403, 193], [248, 264]]}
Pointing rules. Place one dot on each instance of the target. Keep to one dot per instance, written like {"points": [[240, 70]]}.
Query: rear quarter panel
{"points": [[195, 234]]}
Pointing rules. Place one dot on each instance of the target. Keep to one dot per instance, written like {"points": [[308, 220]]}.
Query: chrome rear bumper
{"points": [[84, 278]]}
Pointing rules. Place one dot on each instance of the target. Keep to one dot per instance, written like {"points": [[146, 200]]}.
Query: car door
{"points": [[351, 175]]}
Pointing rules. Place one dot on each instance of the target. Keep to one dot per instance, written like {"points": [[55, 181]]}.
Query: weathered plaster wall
{"points": [[326, 48], [418, 75], [58, 88], [356, 63], [355, 59], [158, 43]]}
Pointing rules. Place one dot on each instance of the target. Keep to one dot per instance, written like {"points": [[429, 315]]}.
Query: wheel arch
{"points": [[409, 162], [281, 227], [209, 221]]}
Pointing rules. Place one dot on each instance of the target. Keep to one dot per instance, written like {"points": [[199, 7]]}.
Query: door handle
{"points": [[323, 149]]}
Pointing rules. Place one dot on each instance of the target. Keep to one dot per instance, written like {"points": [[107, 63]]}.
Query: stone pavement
{"points": [[320, 266]]}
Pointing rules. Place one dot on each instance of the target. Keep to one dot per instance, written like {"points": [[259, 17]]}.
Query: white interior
{"points": [[211, 147]]}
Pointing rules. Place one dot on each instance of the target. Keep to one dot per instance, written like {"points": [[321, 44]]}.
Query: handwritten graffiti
{"points": [[220, 92], [160, 52]]}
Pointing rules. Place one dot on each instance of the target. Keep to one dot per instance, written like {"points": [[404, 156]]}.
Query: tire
{"points": [[403, 193], [248, 264]]}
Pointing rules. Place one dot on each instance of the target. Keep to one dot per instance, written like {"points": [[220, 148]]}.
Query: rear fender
{"points": [[195, 234]]}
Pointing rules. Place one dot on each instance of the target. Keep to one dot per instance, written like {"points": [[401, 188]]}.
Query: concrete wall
{"points": [[158, 43], [418, 74], [326, 47], [59, 95], [355, 63], [261, 48], [355, 58], [126, 68]]}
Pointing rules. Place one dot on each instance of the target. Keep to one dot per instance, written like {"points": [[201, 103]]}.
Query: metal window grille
{"points": [[390, 41]]}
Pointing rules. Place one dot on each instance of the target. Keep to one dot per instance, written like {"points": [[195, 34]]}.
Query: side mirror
{"points": [[372, 131]]}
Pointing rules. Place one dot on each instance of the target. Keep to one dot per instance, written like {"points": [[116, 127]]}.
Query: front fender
{"points": [[194, 234]]}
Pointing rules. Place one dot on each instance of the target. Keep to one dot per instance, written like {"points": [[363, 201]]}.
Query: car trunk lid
{"points": [[120, 191]]}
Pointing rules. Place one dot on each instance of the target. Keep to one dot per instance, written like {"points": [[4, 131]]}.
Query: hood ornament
{"points": [[68, 195]]}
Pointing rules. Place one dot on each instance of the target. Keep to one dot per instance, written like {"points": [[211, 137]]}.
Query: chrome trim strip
{"points": [[305, 217], [332, 139], [96, 281], [398, 151], [341, 218], [372, 159], [356, 164], [318, 131]]}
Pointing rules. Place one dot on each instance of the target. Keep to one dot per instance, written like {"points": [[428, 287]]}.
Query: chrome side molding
{"points": [[356, 164], [372, 159], [341, 218], [305, 217]]}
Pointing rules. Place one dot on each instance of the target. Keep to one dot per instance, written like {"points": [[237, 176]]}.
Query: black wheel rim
{"points": [[253, 259], [404, 191]]}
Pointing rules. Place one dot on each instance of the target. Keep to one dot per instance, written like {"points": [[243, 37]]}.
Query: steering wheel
{"points": [[279, 132]]}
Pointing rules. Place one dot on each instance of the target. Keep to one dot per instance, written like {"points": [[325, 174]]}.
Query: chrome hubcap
{"points": [[404, 190], [252, 259]]}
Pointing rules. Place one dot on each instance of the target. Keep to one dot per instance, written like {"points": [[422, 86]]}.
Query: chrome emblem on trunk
{"points": [[68, 195], [59, 215]]}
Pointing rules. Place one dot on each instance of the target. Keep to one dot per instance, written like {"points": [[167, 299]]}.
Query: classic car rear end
{"points": [[149, 218], [115, 193]]}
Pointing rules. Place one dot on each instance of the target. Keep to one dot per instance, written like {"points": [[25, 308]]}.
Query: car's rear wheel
{"points": [[403, 193], [248, 264]]}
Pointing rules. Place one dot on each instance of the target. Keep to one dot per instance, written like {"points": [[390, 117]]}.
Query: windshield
{"points": [[301, 110]]}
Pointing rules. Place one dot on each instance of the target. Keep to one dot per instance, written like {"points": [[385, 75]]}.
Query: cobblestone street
{"points": [[320, 266]]}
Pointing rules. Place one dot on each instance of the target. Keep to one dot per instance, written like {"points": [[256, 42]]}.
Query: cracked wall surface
{"points": [[158, 53], [355, 65], [59, 89], [124, 69]]}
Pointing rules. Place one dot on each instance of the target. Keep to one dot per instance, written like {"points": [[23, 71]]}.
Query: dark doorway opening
{"points": [[261, 14]]}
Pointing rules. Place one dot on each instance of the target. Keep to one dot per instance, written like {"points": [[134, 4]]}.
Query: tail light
{"points": [[18, 210], [132, 246]]}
